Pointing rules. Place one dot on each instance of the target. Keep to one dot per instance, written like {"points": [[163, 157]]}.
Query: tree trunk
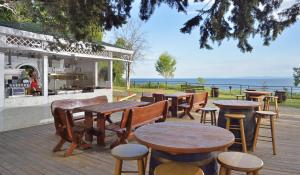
{"points": [[128, 76]]}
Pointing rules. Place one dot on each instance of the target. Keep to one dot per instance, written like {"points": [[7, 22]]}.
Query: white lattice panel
{"points": [[39, 44], [25, 42], [103, 53]]}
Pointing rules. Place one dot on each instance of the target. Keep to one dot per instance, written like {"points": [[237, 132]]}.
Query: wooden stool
{"points": [[212, 111], [177, 169], [239, 162], [240, 96], [259, 99], [259, 116], [240, 127], [268, 100], [130, 152]]}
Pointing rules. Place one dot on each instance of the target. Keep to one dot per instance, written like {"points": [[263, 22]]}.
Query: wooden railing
{"points": [[126, 98]]}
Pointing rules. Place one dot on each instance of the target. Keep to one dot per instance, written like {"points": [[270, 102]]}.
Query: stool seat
{"points": [[129, 151], [240, 161], [177, 169], [235, 116], [208, 109], [266, 113]]}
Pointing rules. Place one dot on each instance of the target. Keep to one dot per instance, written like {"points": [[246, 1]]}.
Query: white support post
{"points": [[2, 89], [128, 75], [96, 74], [110, 73], [45, 75]]}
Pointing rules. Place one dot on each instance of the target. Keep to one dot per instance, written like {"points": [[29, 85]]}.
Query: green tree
{"points": [[217, 20], [201, 80], [132, 36], [296, 76], [165, 65], [118, 66]]}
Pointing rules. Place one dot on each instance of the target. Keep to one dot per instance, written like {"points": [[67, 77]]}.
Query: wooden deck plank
{"points": [[5, 171], [28, 151]]}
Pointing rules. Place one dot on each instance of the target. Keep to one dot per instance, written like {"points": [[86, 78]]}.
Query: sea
{"points": [[226, 83]]}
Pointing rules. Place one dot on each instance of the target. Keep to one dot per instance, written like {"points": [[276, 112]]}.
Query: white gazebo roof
{"points": [[19, 40]]}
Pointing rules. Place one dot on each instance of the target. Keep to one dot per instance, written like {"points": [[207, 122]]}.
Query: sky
{"points": [[225, 61]]}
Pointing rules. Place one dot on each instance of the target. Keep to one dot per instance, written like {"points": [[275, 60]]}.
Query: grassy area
{"points": [[223, 94]]}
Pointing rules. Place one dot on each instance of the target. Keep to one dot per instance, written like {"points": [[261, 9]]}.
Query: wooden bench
{"points": [[136, 117], [71, 104], [185, 87]]}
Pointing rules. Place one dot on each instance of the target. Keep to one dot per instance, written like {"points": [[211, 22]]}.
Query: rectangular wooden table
{"points": [[175, 97], [103, 111]]}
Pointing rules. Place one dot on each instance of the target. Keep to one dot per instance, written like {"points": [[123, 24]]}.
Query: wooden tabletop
{"points": [[257, 92], [236, 104], [112, 107], [178, 95], [184, 137]]}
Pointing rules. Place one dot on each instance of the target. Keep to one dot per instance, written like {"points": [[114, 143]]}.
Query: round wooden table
{"points": [[256, 94], [243, 107], [185, 142]]}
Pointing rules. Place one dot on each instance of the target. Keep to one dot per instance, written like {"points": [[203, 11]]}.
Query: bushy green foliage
{"points": [[118, 66], [165, 65], [118, 71], [296, 76], [201, 80], [216, 20]]}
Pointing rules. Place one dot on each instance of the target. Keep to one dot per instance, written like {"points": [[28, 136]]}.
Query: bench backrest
{"points": [[147, 99], [200, 99], [158, 97], [72, 104], [140, 116]]}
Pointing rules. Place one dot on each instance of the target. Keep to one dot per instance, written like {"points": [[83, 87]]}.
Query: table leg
{"points": [[88, 122], [174, 107], [101, 127]]}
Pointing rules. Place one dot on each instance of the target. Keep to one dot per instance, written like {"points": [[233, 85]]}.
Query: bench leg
{"points": [[190, 115], [70, 149], [59, 145]]}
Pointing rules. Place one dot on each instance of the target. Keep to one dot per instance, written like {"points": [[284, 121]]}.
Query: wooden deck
{"points": [[28, 151]]}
